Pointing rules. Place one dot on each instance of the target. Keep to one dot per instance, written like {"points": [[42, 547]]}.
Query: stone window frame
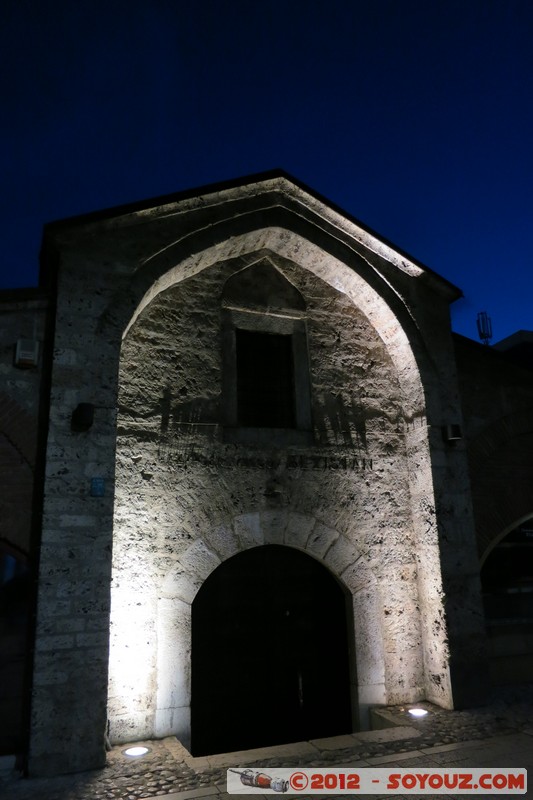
{"points": [[291, 324]]}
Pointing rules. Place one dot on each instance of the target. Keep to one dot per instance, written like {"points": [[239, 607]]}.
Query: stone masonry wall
{"points": [[22, 316], [497, 398], [68, 715]]}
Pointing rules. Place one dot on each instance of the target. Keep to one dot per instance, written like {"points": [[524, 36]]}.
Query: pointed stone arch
{"points": [[260, 286], [170, 673], [389, 315], [355, 277]]}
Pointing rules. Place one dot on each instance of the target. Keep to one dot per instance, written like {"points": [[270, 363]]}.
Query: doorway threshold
{"points": [[309, 751]]}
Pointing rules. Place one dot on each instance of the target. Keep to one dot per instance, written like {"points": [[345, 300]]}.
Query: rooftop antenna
{"points": [[484, 327]]}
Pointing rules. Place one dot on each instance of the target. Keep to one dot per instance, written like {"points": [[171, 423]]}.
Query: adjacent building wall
{"points": [[23, 315], [497, 398], [497, 401]]}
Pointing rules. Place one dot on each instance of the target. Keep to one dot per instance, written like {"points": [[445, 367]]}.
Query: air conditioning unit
{"points": [[26, 353]]}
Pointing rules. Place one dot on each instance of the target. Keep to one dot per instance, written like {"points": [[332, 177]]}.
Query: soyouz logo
{"points": [[346, 780]]}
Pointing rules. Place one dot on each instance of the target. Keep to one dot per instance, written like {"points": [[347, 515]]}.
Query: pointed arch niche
{"points": [[266, 391], [400, 654]]}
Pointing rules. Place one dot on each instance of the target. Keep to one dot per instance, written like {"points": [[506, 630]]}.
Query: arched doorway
{"points": [[507, 583], [269, 653]]}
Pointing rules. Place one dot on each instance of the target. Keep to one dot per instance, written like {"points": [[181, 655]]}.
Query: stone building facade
{"points": [[247, 382]]}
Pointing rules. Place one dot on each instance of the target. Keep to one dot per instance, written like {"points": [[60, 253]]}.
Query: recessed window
{"points": [[266, 392], [265, 380]]}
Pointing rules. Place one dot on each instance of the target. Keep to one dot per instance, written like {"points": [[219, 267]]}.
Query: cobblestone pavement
{"points": [[168, 768]]}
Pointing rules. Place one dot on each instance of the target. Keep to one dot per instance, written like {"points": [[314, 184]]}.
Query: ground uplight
{"points": [[136, 752], [418, 712]]}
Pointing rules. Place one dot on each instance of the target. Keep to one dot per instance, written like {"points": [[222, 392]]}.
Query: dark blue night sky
{"points": [[414, 116]]}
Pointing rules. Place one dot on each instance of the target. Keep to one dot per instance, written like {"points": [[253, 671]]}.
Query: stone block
{"points": [[341, 554], [273, 524], [131, 727], [223, 541], [199, 560], [175, 722], [249, 531], [298, 530], [64, 642], [180, 584]]}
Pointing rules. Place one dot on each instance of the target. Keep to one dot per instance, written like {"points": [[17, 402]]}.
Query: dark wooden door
{"points": [[269, 653]]}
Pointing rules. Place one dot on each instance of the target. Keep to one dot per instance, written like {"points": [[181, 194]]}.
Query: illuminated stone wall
{"points": [[377, 495], [185, 500]]}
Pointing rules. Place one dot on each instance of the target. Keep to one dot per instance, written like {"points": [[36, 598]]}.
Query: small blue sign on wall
{"points": [[97, 487]]}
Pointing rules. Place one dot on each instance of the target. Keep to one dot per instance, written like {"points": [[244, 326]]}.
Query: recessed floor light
{"points": [[136, 752], [418, 712]]}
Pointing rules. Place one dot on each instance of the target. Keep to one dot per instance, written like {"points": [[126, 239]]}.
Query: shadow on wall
{"points": [[14, 614], [337, 421], [340, 422]]}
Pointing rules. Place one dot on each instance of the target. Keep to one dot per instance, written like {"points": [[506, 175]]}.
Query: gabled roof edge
{"points": [[137, 207]]}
